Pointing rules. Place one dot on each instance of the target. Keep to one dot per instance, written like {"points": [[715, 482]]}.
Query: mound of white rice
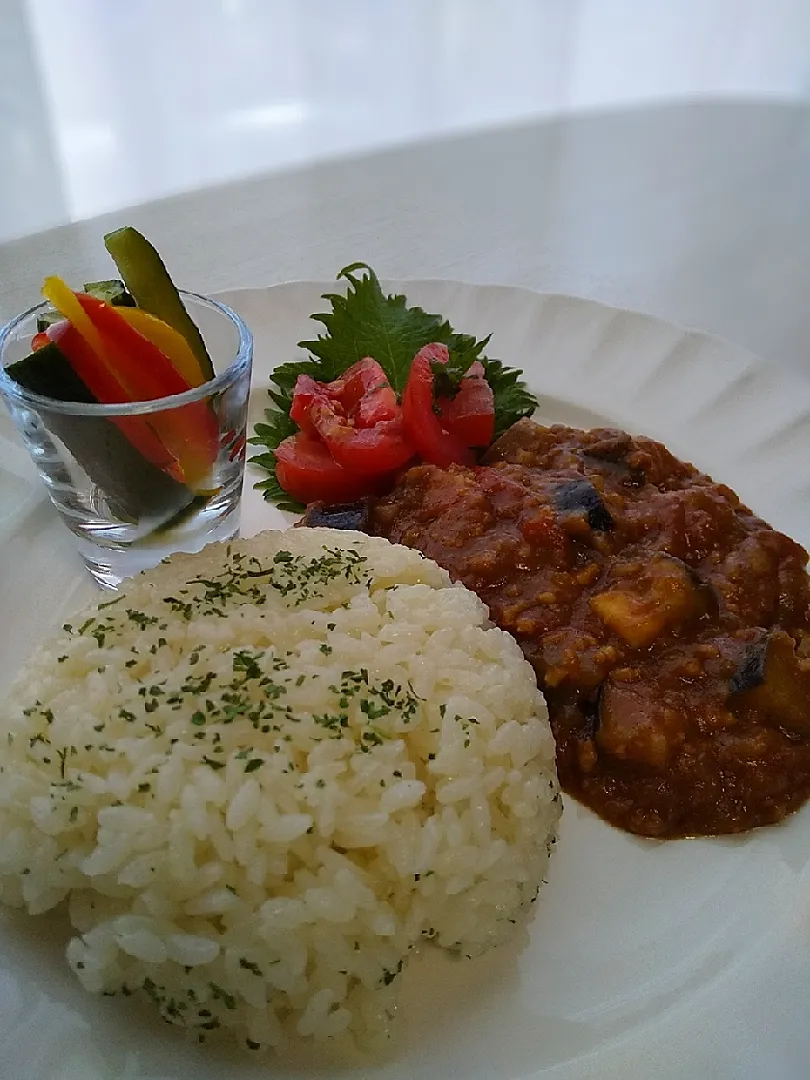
{"points": [[262, 774]]}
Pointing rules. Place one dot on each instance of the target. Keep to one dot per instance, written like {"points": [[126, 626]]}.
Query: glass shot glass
{"points": [[139, 481]]}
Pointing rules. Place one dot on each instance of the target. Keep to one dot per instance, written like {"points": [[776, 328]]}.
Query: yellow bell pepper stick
{"points": [[170, 342], [64, 300]]}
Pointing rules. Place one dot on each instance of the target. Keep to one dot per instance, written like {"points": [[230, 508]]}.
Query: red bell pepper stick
{"points": [[103, 385], [137, 364], [190, 433]]}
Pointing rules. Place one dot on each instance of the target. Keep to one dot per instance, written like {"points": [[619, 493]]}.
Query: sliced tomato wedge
{"points": [[362, 394], [356, 416], [371, 450], [306, 391], [365, 393], [470, 415], [308, 472], [422, 425]]}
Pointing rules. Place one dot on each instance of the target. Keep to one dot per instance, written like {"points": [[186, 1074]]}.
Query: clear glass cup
{"points": [[127, 501]]}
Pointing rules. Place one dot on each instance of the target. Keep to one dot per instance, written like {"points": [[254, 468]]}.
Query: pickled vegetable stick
{"points": [[147, 278], [171, 343]]}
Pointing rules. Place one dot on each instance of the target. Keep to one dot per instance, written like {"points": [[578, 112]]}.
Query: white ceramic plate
{"points": [[669, 960]]}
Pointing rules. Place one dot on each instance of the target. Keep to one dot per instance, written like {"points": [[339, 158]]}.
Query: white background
{"points": [[108, 103]]}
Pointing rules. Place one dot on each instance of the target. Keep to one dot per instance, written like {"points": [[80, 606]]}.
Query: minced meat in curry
{"points": [[667, 624]]}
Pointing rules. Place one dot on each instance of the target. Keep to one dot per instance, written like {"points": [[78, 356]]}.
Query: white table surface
{"points": [[144, 100], [699, 213]]}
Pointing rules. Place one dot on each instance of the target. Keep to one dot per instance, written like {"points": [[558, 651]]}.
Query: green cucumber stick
{"points": [[147, 278]]}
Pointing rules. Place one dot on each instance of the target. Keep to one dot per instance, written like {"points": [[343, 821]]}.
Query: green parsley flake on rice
{"points": [[262, 775]]}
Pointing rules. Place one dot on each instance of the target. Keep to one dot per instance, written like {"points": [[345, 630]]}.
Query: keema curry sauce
{"points": [[669, 626]]}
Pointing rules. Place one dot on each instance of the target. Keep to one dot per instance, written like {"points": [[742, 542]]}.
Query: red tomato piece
{"points": [[356, 416], [372, 450], [365, 393], [306, 391], [470, 415], [422, 425], [308, 472], [376, 407]]}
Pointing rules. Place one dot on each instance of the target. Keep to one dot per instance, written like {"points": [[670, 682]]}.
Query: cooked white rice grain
{"points": [[261, 775]]}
